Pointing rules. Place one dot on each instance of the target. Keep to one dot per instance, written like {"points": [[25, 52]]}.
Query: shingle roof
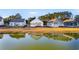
{"points": [[68, 20], [17, 20], [52, 20]]}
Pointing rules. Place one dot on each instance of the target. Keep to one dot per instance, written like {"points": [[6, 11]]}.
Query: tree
{"points": [[7, 19], [18, 16], [77, 17], [67, 14], [12, 17], [45, 19], [29, 20], [63, 15], [49, 16]]}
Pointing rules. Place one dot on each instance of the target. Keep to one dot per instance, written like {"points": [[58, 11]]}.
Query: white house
{"points": [[17, 22], [55, 23], [1, 21], [36, 22]]}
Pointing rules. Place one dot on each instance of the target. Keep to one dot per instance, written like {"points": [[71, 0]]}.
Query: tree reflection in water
{"points": [[62, 37], [17, 36], [1, 36], [36, 36], [74, 35], [57, 37], [54, 36]]}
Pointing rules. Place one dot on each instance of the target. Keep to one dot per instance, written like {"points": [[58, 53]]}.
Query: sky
{"points": [[25, 13]]}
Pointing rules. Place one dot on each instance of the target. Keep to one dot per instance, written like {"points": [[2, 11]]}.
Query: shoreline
{"points": [[39, 30]]}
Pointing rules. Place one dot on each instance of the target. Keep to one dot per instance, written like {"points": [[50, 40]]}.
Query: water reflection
{"points": [[17, 36], [73, 35], [61, 37], [53, 36], [36, 36], [40, 41], [1, 36]]}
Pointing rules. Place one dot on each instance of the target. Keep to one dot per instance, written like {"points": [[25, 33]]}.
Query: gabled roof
{"points": [[52, 20], [17, 20], [68, 20], [36, 20]]}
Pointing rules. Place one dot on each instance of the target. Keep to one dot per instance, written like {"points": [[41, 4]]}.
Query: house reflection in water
{"points": [[1, 36]]}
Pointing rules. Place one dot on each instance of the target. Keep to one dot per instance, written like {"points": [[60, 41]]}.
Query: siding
{"points": [[33, 24], [17, 23]]}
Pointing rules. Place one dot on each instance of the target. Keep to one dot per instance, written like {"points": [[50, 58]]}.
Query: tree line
{"points": [[64, 15]]}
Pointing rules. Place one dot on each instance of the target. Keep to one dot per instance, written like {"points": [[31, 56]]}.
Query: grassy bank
{"points": [[39, 30]]}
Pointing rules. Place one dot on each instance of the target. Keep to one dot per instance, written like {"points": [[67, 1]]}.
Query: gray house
{"points": [[17, 22], [70, 23], [77, 22], [55, 23]]}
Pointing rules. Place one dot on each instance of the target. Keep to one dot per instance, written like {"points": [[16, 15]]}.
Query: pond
{"points": [[39, 41]]}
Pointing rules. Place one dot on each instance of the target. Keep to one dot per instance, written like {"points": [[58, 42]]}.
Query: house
{"points": [[1, 21], [17, 22], [70, 23], [55, 23], [77, 22], [36, 22]]}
